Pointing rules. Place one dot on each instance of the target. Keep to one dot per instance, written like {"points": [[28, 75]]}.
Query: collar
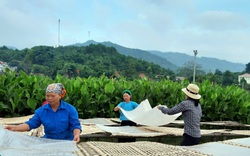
{"points": [[61, 106]]}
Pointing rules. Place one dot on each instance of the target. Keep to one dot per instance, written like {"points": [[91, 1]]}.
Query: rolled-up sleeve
{"points": [[74, 120]]}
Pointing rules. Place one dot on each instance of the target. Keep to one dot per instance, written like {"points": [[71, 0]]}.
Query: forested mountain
{"points": [[94, 59], [137, 53], [84, 61], [173, 60]]}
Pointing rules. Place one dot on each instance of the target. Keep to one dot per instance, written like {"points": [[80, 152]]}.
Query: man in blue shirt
{"points": [[59, 118]]}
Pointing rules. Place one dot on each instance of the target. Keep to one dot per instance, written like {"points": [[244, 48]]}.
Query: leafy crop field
{"points": [[21, 94]]}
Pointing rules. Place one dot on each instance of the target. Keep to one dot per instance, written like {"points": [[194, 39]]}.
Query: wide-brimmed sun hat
{"points": [[192, 91]]}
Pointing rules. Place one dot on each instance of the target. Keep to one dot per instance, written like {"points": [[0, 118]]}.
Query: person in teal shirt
{"points": [[59, 118], [128, 105]]}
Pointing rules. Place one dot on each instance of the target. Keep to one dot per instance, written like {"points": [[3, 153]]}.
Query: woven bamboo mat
{"points": [[165, 130], [141, 148], [94, 121], [179, 131], [86, 129], [91, 129], [240, 132], [15, 120]]}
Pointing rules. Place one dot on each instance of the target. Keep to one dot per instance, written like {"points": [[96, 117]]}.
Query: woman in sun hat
{"points": [[128, 105], [59, 118], [191, 111]]}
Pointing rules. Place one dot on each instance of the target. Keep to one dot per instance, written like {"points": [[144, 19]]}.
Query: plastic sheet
{"points": [[145, 115], [16, 143]]}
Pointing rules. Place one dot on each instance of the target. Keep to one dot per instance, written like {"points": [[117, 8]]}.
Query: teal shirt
{"points": [[127, 107]]}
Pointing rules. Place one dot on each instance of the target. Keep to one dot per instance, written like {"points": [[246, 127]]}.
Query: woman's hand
{"points": [[76, 133], [77, 138], [10, 127], [160, 106], [117, 108], [19, 128]]}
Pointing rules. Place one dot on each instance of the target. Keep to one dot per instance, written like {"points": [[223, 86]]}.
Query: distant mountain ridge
{"points": [[172, 60], [208, 64]]}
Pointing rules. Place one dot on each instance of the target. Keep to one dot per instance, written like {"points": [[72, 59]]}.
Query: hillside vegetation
{"points": [[136, 53], [85, 61], [173, 60], [21, 94]]}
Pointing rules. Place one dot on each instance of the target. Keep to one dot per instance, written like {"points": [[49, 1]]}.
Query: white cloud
{"points": [[222, 21], [216, 30]]}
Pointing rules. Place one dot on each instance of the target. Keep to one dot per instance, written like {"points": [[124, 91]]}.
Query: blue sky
{"points": [[216, 28]]}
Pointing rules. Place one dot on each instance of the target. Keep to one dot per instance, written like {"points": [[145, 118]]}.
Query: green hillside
{"points": [[84, 61], [173, 60], [136, 53]]}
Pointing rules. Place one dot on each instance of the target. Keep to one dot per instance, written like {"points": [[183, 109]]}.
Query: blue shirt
{"points": [[128, 107], [57, 125]]}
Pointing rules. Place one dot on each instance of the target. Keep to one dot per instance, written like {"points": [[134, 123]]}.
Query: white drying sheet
{"points": [[16, 143], [145, 115], [128, 131]]}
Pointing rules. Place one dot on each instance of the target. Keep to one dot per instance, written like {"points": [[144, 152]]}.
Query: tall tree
{"points": [[229, 78], [188, 68], [248, 68], [218, 72]]}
